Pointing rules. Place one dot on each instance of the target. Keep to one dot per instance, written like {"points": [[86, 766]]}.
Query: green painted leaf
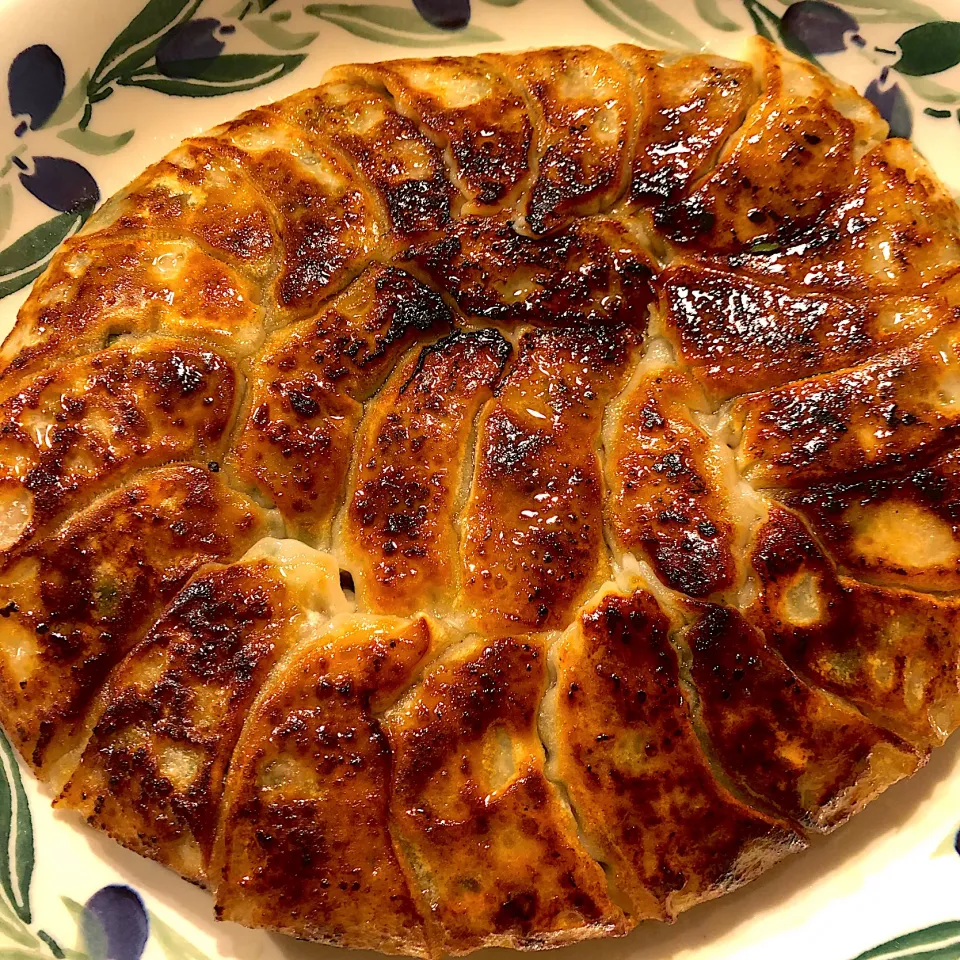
{"points": [[22, 830], [20, 263], [174, 945], [887, 10], [17, 934], [138, 41], [929, 48], [503, 3], [939, 942], [709, 11], [16, 953], [930, 90], [93, 143], [71, 104], [215, 77], [6, 208], [642, 18], [55, 947], [397, 25], [279, 37]]}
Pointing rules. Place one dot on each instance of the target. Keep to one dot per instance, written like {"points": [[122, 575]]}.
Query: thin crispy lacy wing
{"points": [[304, 842], [153, 770], [404, 166], [596, 271], [475, 115], [104, 285], [622, 741], [399, 534], [674, 498], [488, 842], [74, 604], [792, 159], [73, 432], [897, 529], [582, 103], [307, 389], [532, 530], [812, 758], [880, 415], [738, 334], [893, 653]]}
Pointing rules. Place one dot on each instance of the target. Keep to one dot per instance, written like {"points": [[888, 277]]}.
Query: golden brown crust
{"points": [[74, 604], [487, 841], [473, 113], [532, 530], [897, 529], [597, 271], [625, 746], [152, 772], [689, 108], [880, 415], [582, 103], [803, 123], [68, 434], [895, 654], [494, 329], [738, 335], [304, 843], [405, 167], [810, 757], [399, 535], [307, 388], [672, 498]]}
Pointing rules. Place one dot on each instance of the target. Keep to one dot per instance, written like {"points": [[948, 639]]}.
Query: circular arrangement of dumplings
{"points": [[491, 500]]}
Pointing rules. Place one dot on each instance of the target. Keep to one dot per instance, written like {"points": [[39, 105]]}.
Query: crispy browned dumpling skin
{"points": [[623, 390], [330, 220], [893, 653], [898, 529], [307, 389], [200, 190], [304, 844], [108, 284], [814, 759], [674, 499], [489, 843], [75, 603], [689, 107], [584, 113], [532, 530], [399, 536], [68, 434], [472, 111], [404, 166], [879, 415], [739, 335], [152, 772], [896, 230], [624, 744], [597, 271], [789, 162]]}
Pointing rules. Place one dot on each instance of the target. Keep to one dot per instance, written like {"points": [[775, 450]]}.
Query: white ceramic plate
{"points": [[98, 89]]}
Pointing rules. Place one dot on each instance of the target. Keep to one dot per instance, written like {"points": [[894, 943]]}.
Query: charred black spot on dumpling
{"points": [[409, 306]]}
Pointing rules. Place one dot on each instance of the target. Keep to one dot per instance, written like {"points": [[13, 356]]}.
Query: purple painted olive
{"points": [[35, 84], [819, 26], [893, 106], [62, 184], [115, 924], [446, 14], [193, 40]]}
